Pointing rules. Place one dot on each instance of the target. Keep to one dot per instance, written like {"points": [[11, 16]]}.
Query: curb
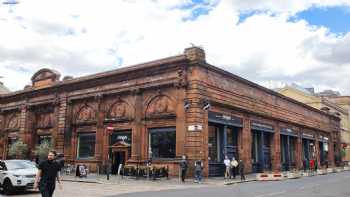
{"points": [[81, 181], [238, 182]]}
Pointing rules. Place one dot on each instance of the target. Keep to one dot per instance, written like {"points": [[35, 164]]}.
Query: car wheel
{"points": [[7, 187]]}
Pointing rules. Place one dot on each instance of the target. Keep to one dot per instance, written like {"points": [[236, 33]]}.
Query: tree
{"points": [[18, 150], [42, 150]]}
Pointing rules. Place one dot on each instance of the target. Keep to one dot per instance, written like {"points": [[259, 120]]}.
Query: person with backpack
{"points": [[234, 165], [198, 168], [183, 168]]}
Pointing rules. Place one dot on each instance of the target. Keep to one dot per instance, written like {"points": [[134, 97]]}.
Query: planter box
{"points": [[293, 175], [262, 177], [339, 169], [269, 177], [330, 170], [346, 168], [321, 172], [277, 176]]}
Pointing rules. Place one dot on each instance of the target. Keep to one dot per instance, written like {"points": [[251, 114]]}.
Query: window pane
{"points": [[212, 144], [43, 138], [163, 144], [86, 145], [229, 137]]}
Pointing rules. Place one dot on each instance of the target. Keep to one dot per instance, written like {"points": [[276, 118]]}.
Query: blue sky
{"points": [[337, 19]]}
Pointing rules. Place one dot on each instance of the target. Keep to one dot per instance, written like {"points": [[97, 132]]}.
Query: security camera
{"points": [[187, 104], [206, 105]]}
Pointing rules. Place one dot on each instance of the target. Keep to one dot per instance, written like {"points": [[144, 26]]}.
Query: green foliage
{"points": [[43, 149], [18, 150]]}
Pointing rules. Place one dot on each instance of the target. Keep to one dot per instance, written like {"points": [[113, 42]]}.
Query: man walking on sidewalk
{"points": [[183, 168], [47, 174], [241, 169]]}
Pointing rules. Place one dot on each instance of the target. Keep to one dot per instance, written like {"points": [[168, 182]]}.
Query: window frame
{"points": [[160, 130], [78, 145]]}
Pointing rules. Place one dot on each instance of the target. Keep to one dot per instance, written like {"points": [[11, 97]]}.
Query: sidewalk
{"points": [[114, 179]]}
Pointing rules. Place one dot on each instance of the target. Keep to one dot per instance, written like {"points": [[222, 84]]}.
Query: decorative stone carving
{"points": [[118, 110], [160, 105], [13, 122], [86, 113], [44, 120]]}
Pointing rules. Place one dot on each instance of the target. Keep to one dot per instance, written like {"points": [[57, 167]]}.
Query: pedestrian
{"points": [[316, 165], [47, 174], [198, 168], [227, 163], [234, 165], [241, 169], [183, 168]]}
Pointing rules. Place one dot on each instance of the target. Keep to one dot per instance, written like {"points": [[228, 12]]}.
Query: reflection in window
{"points": [[163, 142], [42, 138], [86, 145]]}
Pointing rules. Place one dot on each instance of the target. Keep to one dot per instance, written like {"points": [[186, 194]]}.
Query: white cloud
{"points": [[84, 37]]}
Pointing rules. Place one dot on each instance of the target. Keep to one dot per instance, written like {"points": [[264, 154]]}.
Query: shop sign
{"points": [[225, 119], [195, 127], [308, 136], [288, 131], [262, 127], [122, 137]]}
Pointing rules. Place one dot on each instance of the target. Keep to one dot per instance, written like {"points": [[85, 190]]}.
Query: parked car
{"points": [[17, 175]]}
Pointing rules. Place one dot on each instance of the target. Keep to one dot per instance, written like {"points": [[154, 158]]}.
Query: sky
{"points": [[271, 42]]}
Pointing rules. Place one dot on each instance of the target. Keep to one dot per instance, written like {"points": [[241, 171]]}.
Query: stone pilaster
{"points": [[276, 149], [137, 131], [245, 151], [180, 122], [100, 130], [299, 153], [61, 111]]}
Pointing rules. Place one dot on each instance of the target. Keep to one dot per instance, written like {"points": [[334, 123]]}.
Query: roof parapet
{"points": [[195, 53]]}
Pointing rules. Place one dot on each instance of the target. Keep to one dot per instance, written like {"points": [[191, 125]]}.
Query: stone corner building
{"points": [[162, 110]]}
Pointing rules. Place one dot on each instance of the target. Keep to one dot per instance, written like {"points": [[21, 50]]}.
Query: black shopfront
{"points": [[262, 135], [288, 141], [308, 144], [223, 135]]}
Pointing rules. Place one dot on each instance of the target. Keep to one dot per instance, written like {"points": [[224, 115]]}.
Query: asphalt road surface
{"points": [[331, 185]]}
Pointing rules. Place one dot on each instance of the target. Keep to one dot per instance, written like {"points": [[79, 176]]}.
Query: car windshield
{"points": [[16, 164]]}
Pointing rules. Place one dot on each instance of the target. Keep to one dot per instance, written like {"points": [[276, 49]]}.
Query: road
{"points": [[332, 185]]}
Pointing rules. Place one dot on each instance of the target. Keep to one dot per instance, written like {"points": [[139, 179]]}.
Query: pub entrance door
{"points": [[118, 157]]}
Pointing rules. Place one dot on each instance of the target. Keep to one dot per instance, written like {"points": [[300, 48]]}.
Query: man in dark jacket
{"points": [[47, 174], [241, 169], [198, 168], [183, 167]]}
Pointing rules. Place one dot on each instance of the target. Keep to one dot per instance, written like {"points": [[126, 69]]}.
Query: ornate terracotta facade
{"points": [[131, 112]]}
